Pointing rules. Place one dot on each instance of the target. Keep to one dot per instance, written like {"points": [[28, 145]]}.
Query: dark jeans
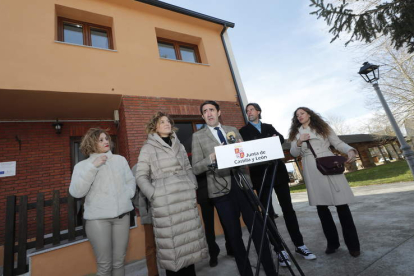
{"points": [[348, 227], [207, 210], [229, 207], [186, 271], [283, 195]]}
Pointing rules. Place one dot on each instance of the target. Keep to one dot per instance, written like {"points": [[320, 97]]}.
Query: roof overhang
{"points": [[48, 105], [191, 13]]}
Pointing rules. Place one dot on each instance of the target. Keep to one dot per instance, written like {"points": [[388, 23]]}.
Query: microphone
{"points": [[212, 165], [231, 137]]}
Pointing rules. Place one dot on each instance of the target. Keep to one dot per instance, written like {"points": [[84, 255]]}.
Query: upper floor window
{"points": [[83, 33], [177, 50]]}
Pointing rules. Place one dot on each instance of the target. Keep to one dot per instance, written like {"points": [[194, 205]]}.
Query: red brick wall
{"points": [[122, 133], [43, 163], [136, 112]]}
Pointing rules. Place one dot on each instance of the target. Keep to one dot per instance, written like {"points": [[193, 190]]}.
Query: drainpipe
{"points": [[233, 75]]}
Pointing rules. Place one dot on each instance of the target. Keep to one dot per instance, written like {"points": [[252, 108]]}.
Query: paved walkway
{"points": [[384, 216]]}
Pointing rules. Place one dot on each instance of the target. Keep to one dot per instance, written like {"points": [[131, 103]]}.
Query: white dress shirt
{"points": [[214, 132]]}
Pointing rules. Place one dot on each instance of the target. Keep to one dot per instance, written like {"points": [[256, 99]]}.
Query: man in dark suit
{"points": [[207, 211], [227, 197], [255, 129]]}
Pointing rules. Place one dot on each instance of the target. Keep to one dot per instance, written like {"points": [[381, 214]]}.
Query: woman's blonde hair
{"points": [[90, 140], [153, 122]]}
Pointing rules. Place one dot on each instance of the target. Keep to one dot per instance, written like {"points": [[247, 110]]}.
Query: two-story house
{"points": [[69, 65]]}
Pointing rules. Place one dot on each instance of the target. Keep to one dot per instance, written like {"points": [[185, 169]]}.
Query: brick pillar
{"points": [[382, 154], [388, 152], [298, 170], [365, 157], [395, 151], [122, 135], [351, 167]]}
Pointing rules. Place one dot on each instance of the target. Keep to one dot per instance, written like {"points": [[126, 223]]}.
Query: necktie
{"points": [[220, 135]]}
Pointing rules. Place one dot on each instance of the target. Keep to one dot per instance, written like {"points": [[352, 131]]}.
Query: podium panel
{"points": [[250, 152]]}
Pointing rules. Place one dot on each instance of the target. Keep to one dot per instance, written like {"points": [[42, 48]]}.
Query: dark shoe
{"points": [[354, 253], [213, 262], [331, 250], [229, 251]]}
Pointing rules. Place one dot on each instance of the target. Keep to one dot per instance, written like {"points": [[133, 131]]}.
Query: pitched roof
{"points": [[191, 13], [355, 138], [361, 138]]}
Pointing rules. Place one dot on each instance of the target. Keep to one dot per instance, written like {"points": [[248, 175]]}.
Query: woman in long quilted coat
{"points": [[165, 177], [324, 190]]}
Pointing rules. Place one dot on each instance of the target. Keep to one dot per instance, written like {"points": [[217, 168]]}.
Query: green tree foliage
{"points": [[390, 18]]}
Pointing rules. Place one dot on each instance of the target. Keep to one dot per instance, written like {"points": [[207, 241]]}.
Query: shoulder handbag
{"points": [[329, 165]]}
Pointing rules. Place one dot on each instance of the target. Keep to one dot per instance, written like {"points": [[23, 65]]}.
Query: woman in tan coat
{"points": [[324, 190], [165, 176]]}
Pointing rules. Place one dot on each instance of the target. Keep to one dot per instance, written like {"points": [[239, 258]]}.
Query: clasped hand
{"points": [[213, 155], [351, 156], [100, 160], [302, 138]]}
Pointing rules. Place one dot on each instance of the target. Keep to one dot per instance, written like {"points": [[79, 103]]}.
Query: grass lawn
{"points": [[388, 173]]}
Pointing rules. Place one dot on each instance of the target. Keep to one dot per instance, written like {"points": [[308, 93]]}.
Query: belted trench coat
{"points": [[322, 189]]}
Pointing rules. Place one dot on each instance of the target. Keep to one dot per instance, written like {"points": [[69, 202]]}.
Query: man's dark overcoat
{"points": [[249, 132]]}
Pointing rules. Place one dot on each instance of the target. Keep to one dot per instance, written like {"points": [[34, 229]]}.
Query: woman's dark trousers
{"points": [[348, 227]]}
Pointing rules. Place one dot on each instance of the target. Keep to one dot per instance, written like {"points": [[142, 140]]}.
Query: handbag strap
{"points": [[310, 147]]}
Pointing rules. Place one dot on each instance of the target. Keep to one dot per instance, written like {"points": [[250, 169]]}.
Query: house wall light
{"points": [[58, 127]]}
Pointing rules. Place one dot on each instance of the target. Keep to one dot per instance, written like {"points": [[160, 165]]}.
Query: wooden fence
{"points": [[19, 244]]}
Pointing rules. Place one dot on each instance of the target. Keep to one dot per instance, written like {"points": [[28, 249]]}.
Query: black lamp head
{"points": [[369, 72]]}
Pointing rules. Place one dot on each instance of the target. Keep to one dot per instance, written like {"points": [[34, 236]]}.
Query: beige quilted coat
{"points": [[322, 189], [165, 177]]}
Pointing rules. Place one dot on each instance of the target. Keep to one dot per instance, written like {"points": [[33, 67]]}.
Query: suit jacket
{"points": [[250, 132], [202, 146]]}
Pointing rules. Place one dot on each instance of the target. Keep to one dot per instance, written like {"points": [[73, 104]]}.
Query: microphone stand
{"points": [[262, 214], [252, 229]]}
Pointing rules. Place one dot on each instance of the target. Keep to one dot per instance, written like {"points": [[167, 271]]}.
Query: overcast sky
{"points": [[286, 60]]}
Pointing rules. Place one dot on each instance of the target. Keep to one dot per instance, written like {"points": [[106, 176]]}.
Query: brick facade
{"points": [[136, 112], [43, 163], [44, 160]]}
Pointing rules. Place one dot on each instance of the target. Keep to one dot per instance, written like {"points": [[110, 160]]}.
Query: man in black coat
{"points": [[255, 129]]}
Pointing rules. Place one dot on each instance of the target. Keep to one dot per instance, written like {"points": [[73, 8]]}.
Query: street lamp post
{"points": [[370, 73]]}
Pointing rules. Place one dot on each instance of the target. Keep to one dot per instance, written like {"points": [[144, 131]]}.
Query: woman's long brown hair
{"points": [[316, 123]]}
